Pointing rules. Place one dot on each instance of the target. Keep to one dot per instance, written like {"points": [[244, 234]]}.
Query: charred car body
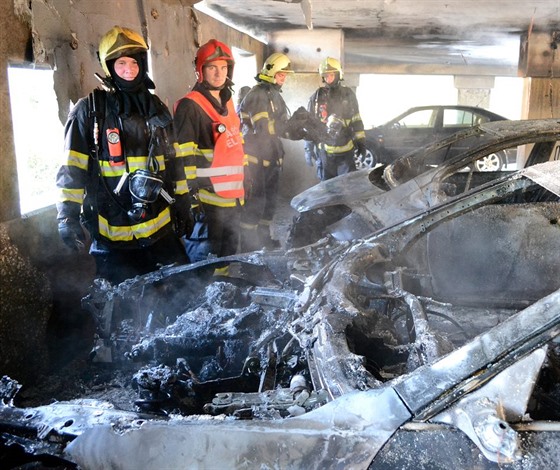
{"points": [[356, 204], [346, 354]]}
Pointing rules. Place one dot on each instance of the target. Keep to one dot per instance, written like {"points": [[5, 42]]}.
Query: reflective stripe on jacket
{"points": [[226, 170], [87, 182]]}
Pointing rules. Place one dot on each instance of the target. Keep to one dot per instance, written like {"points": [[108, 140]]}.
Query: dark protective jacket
{"points": [[90, 174], [342, 102], [196, 136], [264, 120]]}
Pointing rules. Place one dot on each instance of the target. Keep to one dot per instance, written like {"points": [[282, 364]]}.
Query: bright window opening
{"points": [[38, 135]]}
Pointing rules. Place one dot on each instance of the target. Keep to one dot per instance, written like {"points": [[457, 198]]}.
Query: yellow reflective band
{"points": [[71, 195], [271, 128], [259, 116], [190, 172], [111, 171], [181, 187], [136, 163], [340, 149], [148, 228], [138, 231], [77, 159], [213, 199], [187, 149], [257, 161]]}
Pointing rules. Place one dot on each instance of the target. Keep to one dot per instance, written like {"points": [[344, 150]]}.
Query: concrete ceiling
{"points": [[440, 34]]}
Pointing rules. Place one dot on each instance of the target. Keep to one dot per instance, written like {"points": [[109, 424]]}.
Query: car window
{"points": [[454, 183], [418, 119], [462, 118]]}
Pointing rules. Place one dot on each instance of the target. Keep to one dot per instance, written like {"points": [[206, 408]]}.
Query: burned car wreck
{"points": [[356, 204], [417, 346]]}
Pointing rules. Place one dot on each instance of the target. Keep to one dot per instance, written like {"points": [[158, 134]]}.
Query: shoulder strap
{"points": [[206, 106]]}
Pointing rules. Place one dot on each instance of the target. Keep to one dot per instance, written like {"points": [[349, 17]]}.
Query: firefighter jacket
{"points": [[210, 146], [264, 120], [340, 101], [92, 171]]}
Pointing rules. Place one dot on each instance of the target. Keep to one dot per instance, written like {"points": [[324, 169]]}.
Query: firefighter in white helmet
{"points": [[337, 106], [265, 119]]}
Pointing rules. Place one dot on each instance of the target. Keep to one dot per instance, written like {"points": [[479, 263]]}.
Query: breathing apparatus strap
{"points": [[96, 107], [97, 101]]}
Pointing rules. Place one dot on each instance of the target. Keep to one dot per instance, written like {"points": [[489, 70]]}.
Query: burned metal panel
{"points": [[430, 447], [505, 252]]}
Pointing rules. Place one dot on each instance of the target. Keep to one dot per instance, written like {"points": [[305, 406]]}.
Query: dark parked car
{"points": [[353, 205], [423, 125], [433, 343]]}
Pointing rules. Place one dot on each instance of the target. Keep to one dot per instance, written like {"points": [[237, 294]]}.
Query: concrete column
{"points": [[474, 91], [541, 98], [13, 39], [539, 63]]}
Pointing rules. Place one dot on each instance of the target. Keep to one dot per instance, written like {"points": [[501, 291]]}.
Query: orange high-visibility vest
{"points": [[226, 171]]}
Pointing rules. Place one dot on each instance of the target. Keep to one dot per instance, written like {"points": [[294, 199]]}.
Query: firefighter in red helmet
{"points": [[211, 147]]}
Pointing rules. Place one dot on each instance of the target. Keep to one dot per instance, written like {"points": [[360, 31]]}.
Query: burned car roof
{"points": [[338, 354], [473, 142], [353, 205]]}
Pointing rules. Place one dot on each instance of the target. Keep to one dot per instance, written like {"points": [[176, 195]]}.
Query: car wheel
{"points": [[369, 160], [492, 162]]}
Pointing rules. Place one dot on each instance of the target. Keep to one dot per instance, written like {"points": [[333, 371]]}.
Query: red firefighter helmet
{"points": [[211, 51]]}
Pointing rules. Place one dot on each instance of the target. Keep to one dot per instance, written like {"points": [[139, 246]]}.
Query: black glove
{"points": [[300, 114], [310, 155], [72, 234], [361, 150], [295, 126]]}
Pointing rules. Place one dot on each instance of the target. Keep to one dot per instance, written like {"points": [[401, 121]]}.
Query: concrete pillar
{"points": [[539, 63], [474, 91], [541, 98], [13, 39]]}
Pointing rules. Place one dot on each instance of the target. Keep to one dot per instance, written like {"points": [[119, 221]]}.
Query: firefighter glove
{"points": [[72, 234], [361, 148], [295, 126]]}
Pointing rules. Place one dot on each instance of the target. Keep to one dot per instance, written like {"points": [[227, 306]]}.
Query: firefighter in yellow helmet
{"points": [[265, 120], [211, 147], [117, 178], [336, 106]]}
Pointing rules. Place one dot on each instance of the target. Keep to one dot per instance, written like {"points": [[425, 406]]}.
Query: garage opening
{"points": [[38, 135]]}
